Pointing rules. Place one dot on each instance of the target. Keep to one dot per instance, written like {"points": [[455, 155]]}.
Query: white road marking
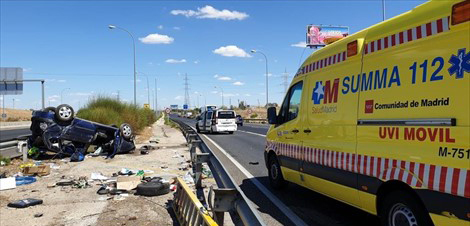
{"points": [[283, 208], [251, 133]]}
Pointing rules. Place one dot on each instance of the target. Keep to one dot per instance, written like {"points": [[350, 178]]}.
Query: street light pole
{"points": [[266, 60], [148, 87], [61, 94], [156, 95], [135, 72], [222, 95]]}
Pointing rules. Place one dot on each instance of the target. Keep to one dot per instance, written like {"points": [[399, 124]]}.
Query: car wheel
{"points": [[126, 131], [230, 132], [64, 113], [400, 208], [275, 174], [153, 188]]}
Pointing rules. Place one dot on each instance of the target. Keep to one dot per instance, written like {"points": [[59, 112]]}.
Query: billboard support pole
{"points": [[31, 80]]}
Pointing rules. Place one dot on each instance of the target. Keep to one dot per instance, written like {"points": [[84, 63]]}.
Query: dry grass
{"points": [[14, 115], [261, 112]]}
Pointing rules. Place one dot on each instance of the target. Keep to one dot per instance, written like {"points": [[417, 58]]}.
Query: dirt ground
{"points": [[17, 115], [64, 205]]}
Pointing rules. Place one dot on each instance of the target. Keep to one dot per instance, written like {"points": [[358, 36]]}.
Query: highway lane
{"points": [[9, 134], [314, 209]]}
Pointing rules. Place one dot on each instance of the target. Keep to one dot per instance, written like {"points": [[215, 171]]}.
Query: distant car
{"points": [[239, 120], [214, 121], [57, 130]]}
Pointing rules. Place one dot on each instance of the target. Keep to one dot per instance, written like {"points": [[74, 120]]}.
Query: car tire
{"points": [[126, 131], [64, 113], [153, 188], [276, 180], [402, 208], [50, 109], [230, 132]]}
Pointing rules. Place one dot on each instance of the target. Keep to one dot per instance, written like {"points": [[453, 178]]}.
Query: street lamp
{"points": [[266, 60], [61, 94], [133, 44], [222, 95]]}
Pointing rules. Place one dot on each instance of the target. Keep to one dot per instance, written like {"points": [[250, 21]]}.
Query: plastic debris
{"points": [[25, 203], [98, 176], [38, 215], [24, 180], [188, 178], [7, 183]]}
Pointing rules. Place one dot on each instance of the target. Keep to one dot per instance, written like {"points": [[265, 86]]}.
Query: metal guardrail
{"points": [[228, 196], [13, 148], [256, 120], [188, 209]]}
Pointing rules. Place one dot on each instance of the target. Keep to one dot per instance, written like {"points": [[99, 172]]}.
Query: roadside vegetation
{"points": [[110, 111]]}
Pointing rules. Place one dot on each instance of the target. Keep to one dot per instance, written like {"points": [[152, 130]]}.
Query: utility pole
{"points": [[118, 97], [186, 90], [259, 105], [230, 102], [285, 76], [156, 95], [13, 103], [383, 10]]}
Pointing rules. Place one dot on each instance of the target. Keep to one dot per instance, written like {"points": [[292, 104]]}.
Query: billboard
{"points": [[11, 81], [319, 35], [174, 107]]}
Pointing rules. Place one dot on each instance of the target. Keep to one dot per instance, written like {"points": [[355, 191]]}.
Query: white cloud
{"points": [[175, 61], [62, 80], [299, 44], [247, 95], [196, 62], [81, 94], [214, 92], [178, 97], [215, 76], [157, 39], [224, 78], [176, 28], [160, 27], [238, 83], [53, 97], [231, 51], [27, 69], [209, 12]]}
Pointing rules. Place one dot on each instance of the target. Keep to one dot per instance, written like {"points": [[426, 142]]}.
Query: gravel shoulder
{"points": [[64, 205]]}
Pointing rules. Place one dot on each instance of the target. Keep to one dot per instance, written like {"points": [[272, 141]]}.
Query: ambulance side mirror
{"points": [[272, 117]]}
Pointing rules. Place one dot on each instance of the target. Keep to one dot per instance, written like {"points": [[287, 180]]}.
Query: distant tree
{"points": [[242, 105]]}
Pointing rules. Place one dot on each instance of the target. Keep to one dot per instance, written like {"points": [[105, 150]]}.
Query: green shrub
{"points": [[254, 115], [110, 111]]}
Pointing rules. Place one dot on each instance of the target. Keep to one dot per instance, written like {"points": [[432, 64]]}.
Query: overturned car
{"points": [[57, 130]]}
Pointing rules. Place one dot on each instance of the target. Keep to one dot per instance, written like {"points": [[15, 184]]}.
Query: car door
{"points": [[288, 132], [208, 120]]}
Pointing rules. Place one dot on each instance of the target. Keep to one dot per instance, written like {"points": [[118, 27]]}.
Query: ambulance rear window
{"points": [[226, 114]]}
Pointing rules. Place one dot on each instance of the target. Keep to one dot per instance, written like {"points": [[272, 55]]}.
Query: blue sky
{"points": [[69, 44]]}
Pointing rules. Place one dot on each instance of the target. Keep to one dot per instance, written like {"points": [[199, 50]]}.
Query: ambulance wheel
{"points": [[275, 175], [400, 208], [230, 132]]}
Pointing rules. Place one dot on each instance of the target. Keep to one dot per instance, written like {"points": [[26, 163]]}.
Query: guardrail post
{"points": [[192, 148], [224, 199], [197, 163], [23, 148]]}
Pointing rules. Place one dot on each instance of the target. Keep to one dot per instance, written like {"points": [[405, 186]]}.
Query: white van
{"points": [[214, 121]]}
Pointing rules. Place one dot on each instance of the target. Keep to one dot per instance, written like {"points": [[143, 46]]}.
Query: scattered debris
{"points": [[98, 176], [25, 203], [39, 170], [253, 163], [38, 215], [127, 183], [132, 218], [153, 187], [24, 180], [64, 182], [7, 183], [188, 178]]}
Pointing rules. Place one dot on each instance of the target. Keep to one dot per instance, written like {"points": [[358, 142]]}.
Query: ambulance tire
{"points": [[276, 180], [402, 208]]}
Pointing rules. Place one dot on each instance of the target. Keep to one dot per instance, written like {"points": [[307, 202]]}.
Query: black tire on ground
{"points": [[64, 113], [126, 131], [402, 208], [230, 132], [153, 188], [52, 109], [276, 180]]}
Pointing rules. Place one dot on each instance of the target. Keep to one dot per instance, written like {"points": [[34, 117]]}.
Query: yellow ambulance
{"points": [[380, 120]]}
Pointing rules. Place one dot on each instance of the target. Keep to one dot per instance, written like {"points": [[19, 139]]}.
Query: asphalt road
{"points": [[9, 134], [246, 146]]}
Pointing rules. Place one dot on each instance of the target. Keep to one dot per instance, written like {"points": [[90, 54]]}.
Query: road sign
{"points": [[168, 110], [185, 107], [11, 81], [147, 106], [174, 107], [250, 111]]}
